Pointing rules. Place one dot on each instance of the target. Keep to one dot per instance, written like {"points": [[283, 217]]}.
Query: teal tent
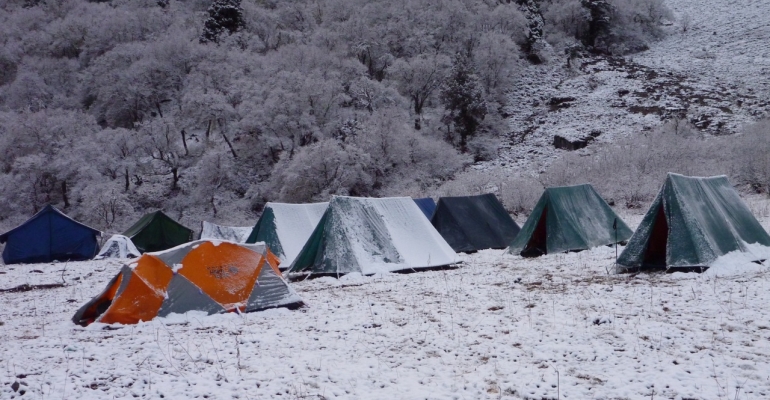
{"points": [[569, 218], [286, 227], [691, 223]]}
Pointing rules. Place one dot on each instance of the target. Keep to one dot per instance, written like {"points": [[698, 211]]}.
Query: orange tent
{"points": [[210, 276]]}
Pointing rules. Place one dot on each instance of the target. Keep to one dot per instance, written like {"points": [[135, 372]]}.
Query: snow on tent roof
{"points": [[569, 218], [692, 222], [237, 234], [427, 206], [157, 231], [372, 235], [471, 223], [286, 227], [49, 235], [118, 246], [210, 276]]}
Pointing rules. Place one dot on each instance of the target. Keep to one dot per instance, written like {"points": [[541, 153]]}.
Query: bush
{"points": [[631, 170]]}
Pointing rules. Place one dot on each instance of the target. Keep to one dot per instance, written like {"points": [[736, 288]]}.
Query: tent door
{"points": [[538, 243], [655, 254]]}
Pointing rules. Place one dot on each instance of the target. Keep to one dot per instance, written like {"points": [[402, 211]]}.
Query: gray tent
{"points": [[236, 234], [691, 223]]}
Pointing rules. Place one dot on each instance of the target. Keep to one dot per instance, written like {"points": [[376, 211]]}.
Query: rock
{"points": [[563, 143], [557, 103]]}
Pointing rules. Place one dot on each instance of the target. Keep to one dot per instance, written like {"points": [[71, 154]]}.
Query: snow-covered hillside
{"points": [[714, 75], [500, 326]]}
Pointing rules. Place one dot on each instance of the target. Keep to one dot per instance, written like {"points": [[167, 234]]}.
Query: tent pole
{"points": [[615, 228]]}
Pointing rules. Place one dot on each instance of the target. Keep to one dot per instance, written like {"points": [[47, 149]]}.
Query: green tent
{"points": [[472, 223], [691, 223], [569, 218], [156, 231], [286, 227], [371, 236]]}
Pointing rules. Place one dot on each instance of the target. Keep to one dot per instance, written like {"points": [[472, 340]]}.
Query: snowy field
{"points": [[498, 327]]}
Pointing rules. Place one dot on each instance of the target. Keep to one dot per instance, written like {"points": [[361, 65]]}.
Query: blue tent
{"points": [[49, 235], [427, 205]]}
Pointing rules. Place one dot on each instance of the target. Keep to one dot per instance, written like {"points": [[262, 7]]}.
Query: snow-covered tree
{"points": [[225, 16], [463, 96]]}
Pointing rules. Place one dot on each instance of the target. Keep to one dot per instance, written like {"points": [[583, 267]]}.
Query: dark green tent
{"points": [[569, 218], [471, 223], [691, 223], [156, 231]]}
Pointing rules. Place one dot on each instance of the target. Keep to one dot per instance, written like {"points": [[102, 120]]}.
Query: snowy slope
{"points": [[715, 75], [499, 327]]}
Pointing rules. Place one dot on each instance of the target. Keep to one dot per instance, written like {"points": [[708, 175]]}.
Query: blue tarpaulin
{"points": [[49, 235], [427, 205]]}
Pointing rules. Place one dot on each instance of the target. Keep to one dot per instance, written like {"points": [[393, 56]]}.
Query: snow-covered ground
{"points": [[500, 326]]}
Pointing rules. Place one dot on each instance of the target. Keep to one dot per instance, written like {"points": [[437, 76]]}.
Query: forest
{"points": [[208, 109]]}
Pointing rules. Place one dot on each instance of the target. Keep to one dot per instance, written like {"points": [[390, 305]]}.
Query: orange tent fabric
{"points": [[211, 276]]}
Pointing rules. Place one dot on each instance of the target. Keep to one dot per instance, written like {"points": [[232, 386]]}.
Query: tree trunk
{"points": [[230, 145], [184, 142], [128, 181], [208, 129], [157, 105], [175, 174]]}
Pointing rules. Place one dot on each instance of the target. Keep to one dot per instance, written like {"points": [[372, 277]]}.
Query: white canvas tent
{"points": [[370, 236], [237, 234], [286, 227], [118, 246]]}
